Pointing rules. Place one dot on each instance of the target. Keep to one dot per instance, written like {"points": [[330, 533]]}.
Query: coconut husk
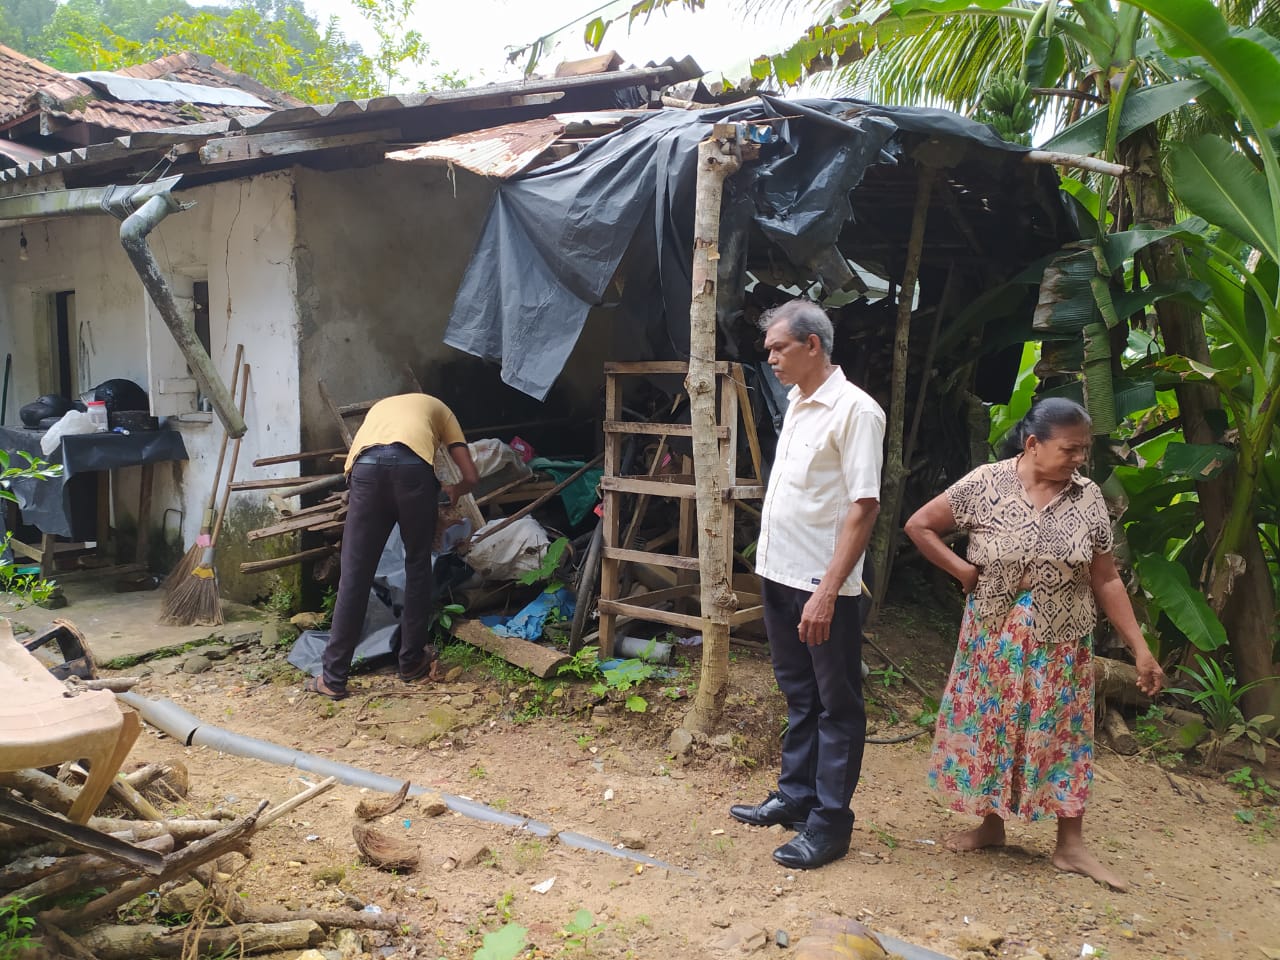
{"points": [[373, 809], [384, 851]]}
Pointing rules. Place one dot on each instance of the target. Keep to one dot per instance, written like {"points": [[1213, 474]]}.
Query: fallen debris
{"points": [[384, 851]]}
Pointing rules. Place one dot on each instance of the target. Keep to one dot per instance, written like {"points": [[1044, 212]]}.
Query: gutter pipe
{"points": [[182, 726], [157, 203]]}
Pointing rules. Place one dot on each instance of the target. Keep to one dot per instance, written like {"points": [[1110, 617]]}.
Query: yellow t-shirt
{"points": [[419, 421]]}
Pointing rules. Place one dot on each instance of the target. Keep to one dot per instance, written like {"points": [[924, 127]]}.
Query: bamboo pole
{"points": [[719, 157], [894, 469]]}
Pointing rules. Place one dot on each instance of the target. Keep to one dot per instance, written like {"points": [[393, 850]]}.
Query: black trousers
{"points": [[827, 720], [379, 496]]}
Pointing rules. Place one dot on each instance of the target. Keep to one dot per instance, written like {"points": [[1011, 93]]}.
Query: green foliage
{"points": [[1253, 788], [624, 677], [1004, 417], [548, 570], [583, 665], [282, 600], [15, 928], [25, 588], [1219, 696], [887, 676], [327, 603], [578, 933], [505, 943], [928, 717], [442, 622], [1169, 586]]}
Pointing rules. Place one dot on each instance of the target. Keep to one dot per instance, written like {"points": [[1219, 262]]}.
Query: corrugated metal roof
{"points": [[498, 152], [135, 89]]}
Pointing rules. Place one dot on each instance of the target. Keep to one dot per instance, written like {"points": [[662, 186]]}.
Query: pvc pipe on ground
{"points": [[186, 728]]}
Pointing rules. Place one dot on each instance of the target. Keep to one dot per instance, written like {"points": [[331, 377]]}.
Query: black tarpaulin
{"points": [[554, 238], [46, 503]]}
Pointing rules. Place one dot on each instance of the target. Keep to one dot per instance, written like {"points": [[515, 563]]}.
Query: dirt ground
{"points": [[1204, 884]]}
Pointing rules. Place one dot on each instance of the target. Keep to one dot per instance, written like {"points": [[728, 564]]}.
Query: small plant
{"points": [[928, 717], [282, 599], [327, 603], [505, 943], [1153, 741], [504, 905], [441, 628], [584, 664], [1218, 697], [1255, 789], [580, 931], [887, 676], [884, 836], [478, 772], [627, 675], [548, 570], [15, 928]]}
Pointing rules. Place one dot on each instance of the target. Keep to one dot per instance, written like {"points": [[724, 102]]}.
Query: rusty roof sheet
{"points": [[498, 152], [191, 67]]}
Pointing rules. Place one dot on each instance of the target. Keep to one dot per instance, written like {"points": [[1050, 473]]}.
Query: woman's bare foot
{"points": [[989, 833], [1080, 860], [1072, 856]]}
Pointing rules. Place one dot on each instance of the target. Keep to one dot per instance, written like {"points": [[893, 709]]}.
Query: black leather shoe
{"points": [[811, 850], [773, 810]]}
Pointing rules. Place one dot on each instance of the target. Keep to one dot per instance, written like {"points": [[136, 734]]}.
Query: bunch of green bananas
{"points": [[1006, 105]]}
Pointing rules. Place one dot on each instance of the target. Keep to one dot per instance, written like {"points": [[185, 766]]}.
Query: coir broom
{"points": [[182, 571], [196, 600]]}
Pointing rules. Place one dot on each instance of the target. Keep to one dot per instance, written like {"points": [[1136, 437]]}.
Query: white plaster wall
{"points": [[239, 237]]}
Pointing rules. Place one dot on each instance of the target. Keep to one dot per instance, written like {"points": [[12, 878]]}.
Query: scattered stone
{"points": [[493, 699], [307, 621], [477, 856], [432, 805], [782, 938], [196, 664], [632, 839], [183, 899], [742, 938], [310, 955], [464, 700], [143, 671], [348, 943], [269, 636], [680, 742], [216, 653], [453, 675], [980, 938], [722, 741]]}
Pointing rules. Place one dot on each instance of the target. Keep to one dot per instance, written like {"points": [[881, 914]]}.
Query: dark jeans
{"points": [[379, 496], [827, 721]]}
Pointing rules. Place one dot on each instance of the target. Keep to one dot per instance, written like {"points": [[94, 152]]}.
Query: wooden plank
{"points": [[361, 406], [540, 661], [655, 597], [655, 559], [657, 366], [748, 420], [654, 488], [494, 494], [343, 429], [657, 429], [523, 511], [294, 524], [271, 484], [143, 541], [670, 618], [687, 544], [275, 563], [285, 143], [19, 813], [294, 457], [610, 568]]}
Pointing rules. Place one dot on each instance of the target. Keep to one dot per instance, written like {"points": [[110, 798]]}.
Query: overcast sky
{"points": [[472, 36]]}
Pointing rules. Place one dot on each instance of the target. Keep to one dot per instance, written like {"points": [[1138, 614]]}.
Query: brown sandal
{"points": [[317, 685], [429, 668]]}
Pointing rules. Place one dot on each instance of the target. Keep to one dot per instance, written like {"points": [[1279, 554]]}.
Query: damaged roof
{"points": [[37, 101]]}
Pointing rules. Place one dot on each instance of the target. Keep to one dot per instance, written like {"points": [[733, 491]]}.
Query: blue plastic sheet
{"points": [[528, 623]]}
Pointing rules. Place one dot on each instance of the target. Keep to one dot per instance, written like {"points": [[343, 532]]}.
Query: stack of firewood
{"points": [[74, 879]]}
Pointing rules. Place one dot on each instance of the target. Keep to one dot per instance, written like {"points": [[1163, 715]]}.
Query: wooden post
{"points": [[718, 158], [894, 469]]}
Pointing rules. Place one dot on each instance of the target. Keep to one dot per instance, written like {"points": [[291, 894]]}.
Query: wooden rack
{"points": [[617, 549]]}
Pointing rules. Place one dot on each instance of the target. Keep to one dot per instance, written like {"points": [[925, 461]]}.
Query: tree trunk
{"points": [[895, 471], [1248, 609], [717, 160], [119, 942]]}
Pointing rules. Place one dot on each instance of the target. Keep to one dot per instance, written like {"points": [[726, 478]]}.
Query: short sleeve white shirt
{"points": [[829, 454]]}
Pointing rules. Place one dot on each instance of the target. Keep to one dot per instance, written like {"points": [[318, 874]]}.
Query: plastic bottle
{"points": [[98, 414]]}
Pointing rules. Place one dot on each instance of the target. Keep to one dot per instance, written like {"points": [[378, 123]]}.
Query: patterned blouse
{"points": [[1017, 547]]}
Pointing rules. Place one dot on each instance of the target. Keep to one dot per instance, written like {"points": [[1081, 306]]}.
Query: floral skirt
{"points": [[1015, 725]]}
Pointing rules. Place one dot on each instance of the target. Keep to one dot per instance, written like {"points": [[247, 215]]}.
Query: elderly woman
{"points": [[1015, 725]]}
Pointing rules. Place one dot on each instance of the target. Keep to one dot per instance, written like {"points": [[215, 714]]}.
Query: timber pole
{"points": [[895, 469], [718, 158]]}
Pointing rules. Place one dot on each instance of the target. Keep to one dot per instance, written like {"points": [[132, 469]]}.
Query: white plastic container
{"points": [[98, 414]]}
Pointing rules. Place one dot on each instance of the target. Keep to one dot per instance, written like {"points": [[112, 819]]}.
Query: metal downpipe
{"points": [[182, 726], [133, 236]]}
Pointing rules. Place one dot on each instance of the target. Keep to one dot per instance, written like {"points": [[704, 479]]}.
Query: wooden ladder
{"points": [[617, 548]]}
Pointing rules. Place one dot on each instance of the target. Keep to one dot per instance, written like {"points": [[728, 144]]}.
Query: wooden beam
{"points": [[256, 146], [293, 457], [275, 563], [658, 429], [650, 367], [540, 661], [19, 813], [655, 559]]}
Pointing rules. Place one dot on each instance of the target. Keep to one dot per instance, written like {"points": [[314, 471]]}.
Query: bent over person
{"points": [[823, 497], [1015, 725], [390, 480]]}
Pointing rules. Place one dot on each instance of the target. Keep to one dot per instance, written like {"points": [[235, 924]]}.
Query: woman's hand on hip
{"points": [[969, 578]]}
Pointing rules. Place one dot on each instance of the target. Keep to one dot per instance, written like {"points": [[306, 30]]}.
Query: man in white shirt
{"points": [[823, 497]]}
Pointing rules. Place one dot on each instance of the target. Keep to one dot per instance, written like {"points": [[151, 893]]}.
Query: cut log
{"points": [[274, 563], [124, 942], [83, 872], [244, 912], [540, 661], [1122, 739], [1116, 682]]}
